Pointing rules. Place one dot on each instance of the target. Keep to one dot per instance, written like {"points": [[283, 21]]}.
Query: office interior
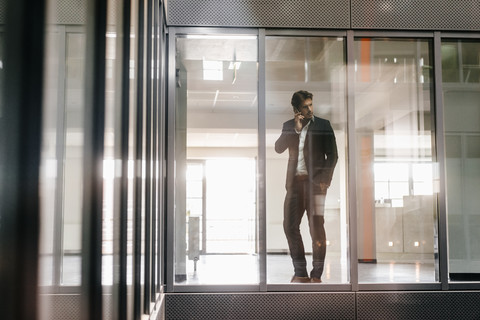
{"points": [[139, 180]]}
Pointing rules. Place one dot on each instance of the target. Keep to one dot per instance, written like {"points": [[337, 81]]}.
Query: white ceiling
{"points": [[225, 112]]}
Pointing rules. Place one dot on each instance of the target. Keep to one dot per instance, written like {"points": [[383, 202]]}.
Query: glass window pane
{"points": [[49, 258], [73, 159], [315, 65], [216, 152], [462, 131], [395, 199]]}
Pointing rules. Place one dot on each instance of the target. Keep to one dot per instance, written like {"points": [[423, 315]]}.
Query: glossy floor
{"points": [[244, 269]]}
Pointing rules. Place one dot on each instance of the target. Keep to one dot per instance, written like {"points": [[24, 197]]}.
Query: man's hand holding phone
{"points": [[299, 121]]}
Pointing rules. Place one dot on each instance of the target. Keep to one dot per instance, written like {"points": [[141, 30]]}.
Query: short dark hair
{"points": [[300, 96]]}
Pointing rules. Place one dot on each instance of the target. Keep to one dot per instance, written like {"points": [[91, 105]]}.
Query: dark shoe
{"points": [[297, 279], [315, 280]]}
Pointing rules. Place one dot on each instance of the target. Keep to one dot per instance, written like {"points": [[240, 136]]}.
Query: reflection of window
{"points": [[196, 195], [460, 62], [222, 194], [393, 181], [230, 205], [212, 70]]}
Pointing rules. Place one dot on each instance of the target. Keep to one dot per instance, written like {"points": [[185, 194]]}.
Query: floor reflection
{"points": [[244, 270]]}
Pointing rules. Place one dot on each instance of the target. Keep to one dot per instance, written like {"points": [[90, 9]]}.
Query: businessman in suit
{"points": [[312, 150]]}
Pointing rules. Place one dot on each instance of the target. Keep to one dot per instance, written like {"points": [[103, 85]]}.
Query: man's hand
{"points": [[298, 121]]}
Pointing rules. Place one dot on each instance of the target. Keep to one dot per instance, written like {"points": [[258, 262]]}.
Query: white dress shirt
{"points": [[301, 167]]}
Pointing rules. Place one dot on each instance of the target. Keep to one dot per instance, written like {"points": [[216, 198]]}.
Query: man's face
{"points": [[306, 108]]}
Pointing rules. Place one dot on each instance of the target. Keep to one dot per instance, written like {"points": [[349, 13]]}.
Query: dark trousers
{"points": [[301, 198]]}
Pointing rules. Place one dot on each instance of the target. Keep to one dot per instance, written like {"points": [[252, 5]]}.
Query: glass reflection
{"points": [[461, 89], [62, 159], [396, 202], [316, 65], [216, 151]]}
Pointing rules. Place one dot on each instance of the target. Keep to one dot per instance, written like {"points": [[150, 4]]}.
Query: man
{"points": [[312, 158]]}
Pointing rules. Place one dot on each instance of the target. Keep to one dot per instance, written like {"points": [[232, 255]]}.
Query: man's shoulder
{"points": [[320, 121]]}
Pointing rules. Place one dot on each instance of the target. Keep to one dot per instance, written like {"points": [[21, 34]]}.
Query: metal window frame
{"points": [[390, 35], [434, 39], [305, 33], [173, 32], [138, 305], [162, 145], [153, 285], [148, 158], [441, 152]]}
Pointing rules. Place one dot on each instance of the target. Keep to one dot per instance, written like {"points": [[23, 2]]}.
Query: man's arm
{"points": [[286, 138], [331, 152]]}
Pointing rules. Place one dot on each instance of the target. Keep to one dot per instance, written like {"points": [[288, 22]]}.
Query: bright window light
{"points": [[212, 70], [234, 65]]}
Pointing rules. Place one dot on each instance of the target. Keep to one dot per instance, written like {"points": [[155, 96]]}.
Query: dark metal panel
{"points": [[67, 307], [256, 306], [60, 306], [254, 13], [21, 80], [416, 14], [418, 305], [69, 12], [349, 305], [120, 298], [3, 11], [94, 131]]}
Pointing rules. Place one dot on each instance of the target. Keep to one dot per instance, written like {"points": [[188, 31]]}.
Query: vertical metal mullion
{"points": [[170, 214], [352, 160], [137, 305], [161, 144], [261, 180], [94, 127], [155, 154], [148, 158], [204, 208], [20, 154], [156, 97], [59, 156], [124, 140], [440, 152]]}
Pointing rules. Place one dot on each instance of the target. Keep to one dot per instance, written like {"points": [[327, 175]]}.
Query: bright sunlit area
{"points": [[221, 211]]}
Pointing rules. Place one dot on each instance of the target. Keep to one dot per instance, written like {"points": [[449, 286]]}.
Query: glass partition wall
{"points": [[233, 102], [461, 89], [316, 65], [216, 144], [396, 200]]}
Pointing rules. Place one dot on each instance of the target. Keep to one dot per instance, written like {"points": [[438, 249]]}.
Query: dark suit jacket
{"points": [[320, 151]]}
